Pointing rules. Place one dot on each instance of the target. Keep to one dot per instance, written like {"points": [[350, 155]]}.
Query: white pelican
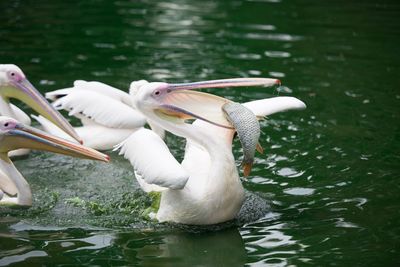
{"points": [[106, 113], [205, 188], [14, 189], [14, 84]]}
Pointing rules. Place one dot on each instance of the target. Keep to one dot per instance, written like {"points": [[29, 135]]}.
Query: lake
{"points": [[330, 174]]}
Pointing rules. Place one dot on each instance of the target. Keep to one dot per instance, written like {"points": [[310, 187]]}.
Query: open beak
{"points": [[23, 136], [187, 105], [24, 91], [181, 103]]}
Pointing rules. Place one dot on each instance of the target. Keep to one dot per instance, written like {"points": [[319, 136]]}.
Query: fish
{"points": [[248, 130]]}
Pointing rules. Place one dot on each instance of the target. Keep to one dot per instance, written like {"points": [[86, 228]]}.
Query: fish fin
{"points": [[247, 168], [259, 148], [261, 118]]}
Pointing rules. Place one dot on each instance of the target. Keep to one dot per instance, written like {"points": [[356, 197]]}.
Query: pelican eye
{"points": [[6, 125], [14, 76]]}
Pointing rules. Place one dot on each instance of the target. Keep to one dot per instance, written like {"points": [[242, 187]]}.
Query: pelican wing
{"points": [[94, 86], [146, 187], [269, 106], [157, 129], [152, 160], [94, 135], [56, 94], [6, 185], [101, 109]]}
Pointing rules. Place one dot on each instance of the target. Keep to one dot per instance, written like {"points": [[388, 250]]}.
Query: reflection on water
{"points": [[20, 257], [331, 171], [78, 246], [224, 248], [270, 245]]}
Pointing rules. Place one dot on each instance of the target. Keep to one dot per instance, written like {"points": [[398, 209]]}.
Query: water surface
{"points": [[330, 173]]}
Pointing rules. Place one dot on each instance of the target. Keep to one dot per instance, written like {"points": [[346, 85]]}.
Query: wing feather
{"points": [[153, 161], [94, 86], [269, 106], [101, 109], [93, 135], [52, 129], [6, 185]]}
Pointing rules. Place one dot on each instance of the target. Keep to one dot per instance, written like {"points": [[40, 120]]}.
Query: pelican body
{"points": [[14, 189], [205, 187]]}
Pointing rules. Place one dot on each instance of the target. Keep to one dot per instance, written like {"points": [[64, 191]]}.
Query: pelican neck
{"points": [[24, 194]]}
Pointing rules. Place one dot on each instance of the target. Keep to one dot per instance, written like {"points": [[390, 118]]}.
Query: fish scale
{"points": [[247, 127]]}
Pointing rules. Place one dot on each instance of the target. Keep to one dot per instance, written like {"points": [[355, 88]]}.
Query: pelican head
{"points": [[15, 135], [14, 189], [179, 102], [14, 84]]}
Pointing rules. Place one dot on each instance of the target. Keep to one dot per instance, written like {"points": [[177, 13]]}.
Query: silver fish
{"points": [[246, 124]]}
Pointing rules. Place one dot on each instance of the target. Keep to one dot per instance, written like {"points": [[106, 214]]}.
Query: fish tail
{"points": [[247, 168]]}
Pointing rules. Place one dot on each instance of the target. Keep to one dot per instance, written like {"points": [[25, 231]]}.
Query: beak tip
{"points": [[107, 157], [278, 82]]}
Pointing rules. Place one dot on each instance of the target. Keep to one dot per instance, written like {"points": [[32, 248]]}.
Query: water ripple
{"points": [[289, 172], [277, 54], [262, 27], [282, 37], [5, 261], [245, 56], [299, 191], [331, 171]]}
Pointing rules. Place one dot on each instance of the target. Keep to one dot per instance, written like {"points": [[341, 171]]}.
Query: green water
{"points": [[330, 173]]}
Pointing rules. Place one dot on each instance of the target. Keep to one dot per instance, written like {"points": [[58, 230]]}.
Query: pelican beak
{"points": [[22, 136], [234, 82], [24, 91], [180, 102], [183, 105]]}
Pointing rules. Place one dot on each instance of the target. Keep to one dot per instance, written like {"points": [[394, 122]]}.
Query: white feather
{"points": [[101, 109], [269, 106], [54, 95], [6, 185], [146, 187], [94, 86], [152, 160], [20, 115], [102, 138], [94, 135], [157, 129], [52, 129]]}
